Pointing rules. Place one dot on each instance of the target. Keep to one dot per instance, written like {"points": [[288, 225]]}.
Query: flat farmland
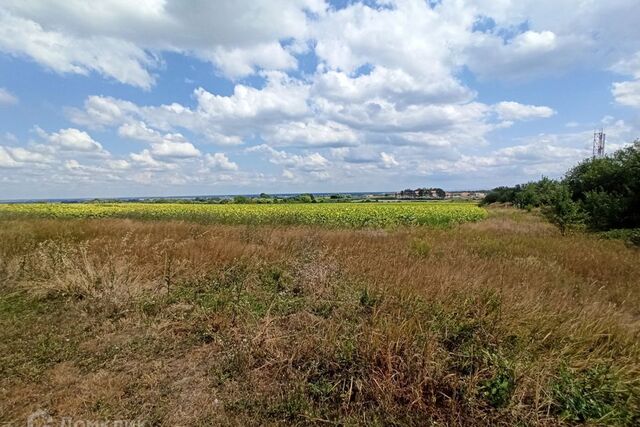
{"points": [[358, 215]]}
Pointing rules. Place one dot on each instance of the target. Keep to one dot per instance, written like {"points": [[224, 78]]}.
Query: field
{"points": [[334, 214], [498, 321]]}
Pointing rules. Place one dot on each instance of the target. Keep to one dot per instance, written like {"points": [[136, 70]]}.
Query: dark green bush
{"points": [[562, 211], [604, 193], [608, 189]]}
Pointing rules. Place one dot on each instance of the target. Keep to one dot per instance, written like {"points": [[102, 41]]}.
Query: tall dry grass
{"points": [[498, 322]]}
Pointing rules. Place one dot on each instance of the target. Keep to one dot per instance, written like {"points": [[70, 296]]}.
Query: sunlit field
{"points": [[329, 214], [499, 321]]}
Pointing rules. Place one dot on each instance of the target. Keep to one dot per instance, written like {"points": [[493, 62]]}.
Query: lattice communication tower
{"points": [[598, 143]]}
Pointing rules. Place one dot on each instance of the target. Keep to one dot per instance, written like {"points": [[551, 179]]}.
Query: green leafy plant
{"points": [[594, 394]]}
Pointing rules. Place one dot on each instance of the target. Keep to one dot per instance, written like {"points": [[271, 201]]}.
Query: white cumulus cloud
{"points": [[180, 150], [627, 93], [509, 110], [7, 98], [72, 139], [220, 161]]}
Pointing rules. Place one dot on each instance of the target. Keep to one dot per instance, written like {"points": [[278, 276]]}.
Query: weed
{"points": [[290, 407], [323, 309], [595, 394], [420, 248], [498, 389], [232, 365], [369, 299]]}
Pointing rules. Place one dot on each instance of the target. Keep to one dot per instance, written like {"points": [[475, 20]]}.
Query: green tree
{"points": [[609, 189], [240, 199], [527, 198], [502, 195], [305, 198], [563, 211]]}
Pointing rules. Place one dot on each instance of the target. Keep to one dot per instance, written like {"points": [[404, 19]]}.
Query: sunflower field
{"points": [[352, 215]]}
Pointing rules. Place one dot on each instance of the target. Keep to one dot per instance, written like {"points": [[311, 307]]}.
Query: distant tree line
{"points": [[431, 193], [600, 193], [262, 198]]}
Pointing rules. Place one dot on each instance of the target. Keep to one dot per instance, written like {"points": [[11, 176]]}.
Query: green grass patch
{"points": [[596, 394]]}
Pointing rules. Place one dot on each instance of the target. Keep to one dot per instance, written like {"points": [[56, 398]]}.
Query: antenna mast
{"points": [[598, 143]]}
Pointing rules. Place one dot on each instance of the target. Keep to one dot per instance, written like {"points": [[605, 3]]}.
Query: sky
{"points": [[170, 97]]}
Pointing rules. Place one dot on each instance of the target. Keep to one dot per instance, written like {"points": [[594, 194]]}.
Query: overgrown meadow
{"points": [[498, 321]]}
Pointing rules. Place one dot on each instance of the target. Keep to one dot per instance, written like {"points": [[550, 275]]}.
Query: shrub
{"points": [[605, 193], [609, 189], [594, 394], [501, 195], [563, 211], [629, 235]]}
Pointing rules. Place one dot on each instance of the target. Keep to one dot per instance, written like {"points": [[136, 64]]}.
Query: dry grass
{"points": [[498, 322]]}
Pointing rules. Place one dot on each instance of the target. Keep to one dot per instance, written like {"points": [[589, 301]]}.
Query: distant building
{"points": [[465, 195], [421, 193]]}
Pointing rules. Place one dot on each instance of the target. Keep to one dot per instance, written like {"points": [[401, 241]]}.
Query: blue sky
{"points": [[164, 97]]}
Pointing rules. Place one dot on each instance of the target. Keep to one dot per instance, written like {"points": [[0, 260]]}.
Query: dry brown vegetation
{"points": [[501, 322]]}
